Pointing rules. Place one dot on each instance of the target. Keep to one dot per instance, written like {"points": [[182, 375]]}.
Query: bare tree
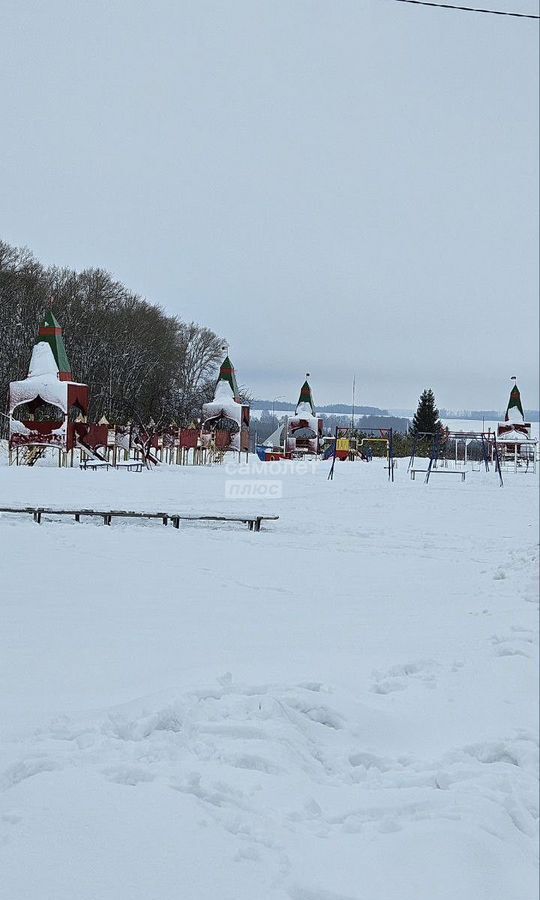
{"points": [[124, 347]]}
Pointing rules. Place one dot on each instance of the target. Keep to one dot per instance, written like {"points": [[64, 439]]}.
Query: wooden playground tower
{"points": [[50, 400], [226, 418], [518, 449], [54, 417], [304, 430]]}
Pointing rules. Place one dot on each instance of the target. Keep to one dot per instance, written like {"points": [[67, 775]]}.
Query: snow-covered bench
{"points": [[95, 464], [253, 522]]}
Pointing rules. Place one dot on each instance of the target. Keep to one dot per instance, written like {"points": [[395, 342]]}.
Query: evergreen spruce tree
{"points": [[426, 417]]}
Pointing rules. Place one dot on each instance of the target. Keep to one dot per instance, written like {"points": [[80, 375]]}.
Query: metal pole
{"points": [[331, 472], [413, 453], [434, 456]]}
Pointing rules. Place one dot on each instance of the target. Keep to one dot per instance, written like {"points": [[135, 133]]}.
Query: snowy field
{"points": [[342, 707]]}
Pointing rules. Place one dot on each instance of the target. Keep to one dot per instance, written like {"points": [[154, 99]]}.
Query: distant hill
{"points": [[336, 408], [497, 415], [367, 423], [493, 415]]}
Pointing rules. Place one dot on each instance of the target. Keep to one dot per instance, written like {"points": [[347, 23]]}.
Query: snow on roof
{"points": [[42, 381], [223, 403], [231, 410], [50, 390], [304, 409], [18, 428], [224, 392], [514, 415], [42, 361]]}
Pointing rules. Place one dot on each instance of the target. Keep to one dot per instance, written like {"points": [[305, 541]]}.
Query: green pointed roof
{"points": [[227, 373], [50, 331], [50, 320], [514, 402], [306, 397]]}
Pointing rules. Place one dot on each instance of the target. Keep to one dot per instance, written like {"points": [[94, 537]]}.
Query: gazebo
{"points": [[225, 419], [517, 446], [305, 428], [48, 393]]}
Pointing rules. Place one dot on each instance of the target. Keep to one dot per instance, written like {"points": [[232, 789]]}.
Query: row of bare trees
{"points": [[138, 361]]}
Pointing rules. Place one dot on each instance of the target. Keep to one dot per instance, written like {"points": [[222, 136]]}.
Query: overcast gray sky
{"points": [[335, 187]]}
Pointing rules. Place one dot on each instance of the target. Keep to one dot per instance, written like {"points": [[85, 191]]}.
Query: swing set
{"points": [[441, 444]]}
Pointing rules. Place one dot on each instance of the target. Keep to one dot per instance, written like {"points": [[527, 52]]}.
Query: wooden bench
{"points": [[95, 464], [253, 522]]}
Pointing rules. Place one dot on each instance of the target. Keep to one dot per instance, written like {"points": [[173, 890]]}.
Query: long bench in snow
{"points": [[253, 522], [95, 464]]}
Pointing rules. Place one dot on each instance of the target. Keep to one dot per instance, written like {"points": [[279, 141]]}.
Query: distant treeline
{"points": [[338, 408], [491, 415], [138, 361], [267, 424], [366, 423]]}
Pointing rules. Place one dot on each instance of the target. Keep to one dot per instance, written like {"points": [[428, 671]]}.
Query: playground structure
{"points": [[129, 446], [120, 446], [299, 436], [448, 453], [348, 444], [510, 448], [225, 419], [54, 412], [304, 429], [49, 393], [517, 448], [48, 413], [518, 457]]}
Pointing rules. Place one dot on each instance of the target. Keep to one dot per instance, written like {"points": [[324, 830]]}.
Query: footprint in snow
{"points": [[128, 775], [387, 687], [506, 646], [300, 893], [391, 680]]}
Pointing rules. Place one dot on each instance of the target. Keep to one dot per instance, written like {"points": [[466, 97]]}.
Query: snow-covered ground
{"points": [[342, 707]]}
